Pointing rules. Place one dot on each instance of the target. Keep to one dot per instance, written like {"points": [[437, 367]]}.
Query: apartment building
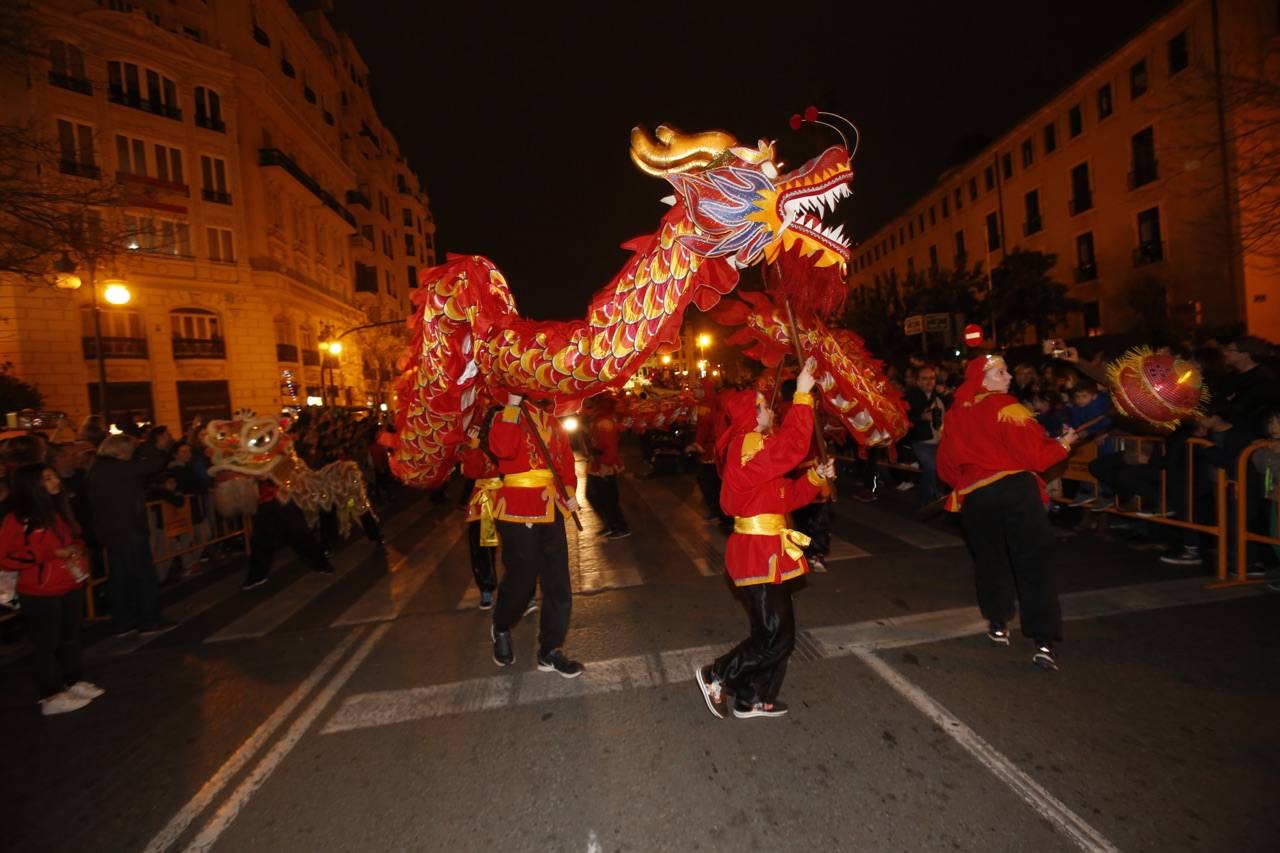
{"points": [[262, 169], [1131, 176]]}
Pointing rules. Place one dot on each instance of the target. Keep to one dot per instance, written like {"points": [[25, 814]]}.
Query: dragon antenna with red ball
{"points": [[812, 115]]}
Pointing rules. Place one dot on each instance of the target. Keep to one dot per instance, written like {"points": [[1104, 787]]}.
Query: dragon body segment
{"points": [[733, 207]]}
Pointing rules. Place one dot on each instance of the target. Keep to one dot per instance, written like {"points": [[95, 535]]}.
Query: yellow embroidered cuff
{"points": [[816, 478], [802, 398], [511, 414]]}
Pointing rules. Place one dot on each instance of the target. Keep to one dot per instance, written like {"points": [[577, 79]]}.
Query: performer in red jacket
{"points": [[604, 467], [762, 554], [482, 534], [531, 525], [992, 451]]}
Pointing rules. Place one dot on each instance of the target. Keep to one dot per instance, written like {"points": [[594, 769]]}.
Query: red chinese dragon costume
{"points": [[733, 207]]}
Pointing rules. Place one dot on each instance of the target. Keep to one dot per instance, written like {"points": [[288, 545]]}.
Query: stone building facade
{"points": [[276, 210], [1136, 176]]}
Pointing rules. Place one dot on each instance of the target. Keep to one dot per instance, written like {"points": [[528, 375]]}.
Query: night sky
{"points": [[518, 120]]}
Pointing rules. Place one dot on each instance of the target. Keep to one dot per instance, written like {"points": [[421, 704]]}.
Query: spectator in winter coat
{"points": [[39, 541], [117, 484]]}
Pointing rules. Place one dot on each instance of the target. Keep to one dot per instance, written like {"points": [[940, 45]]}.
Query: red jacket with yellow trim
{"points": [[989, 437], [605, 459], [509, 441], [754, 483], [477, 465]]}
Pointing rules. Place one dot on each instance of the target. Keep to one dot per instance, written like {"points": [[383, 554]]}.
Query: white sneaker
{"points": [[61, 703], [85, 690], [906, 485]]}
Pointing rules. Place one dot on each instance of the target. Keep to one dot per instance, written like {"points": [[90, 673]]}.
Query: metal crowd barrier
{"points": [[1243, 536], [173, 533]]}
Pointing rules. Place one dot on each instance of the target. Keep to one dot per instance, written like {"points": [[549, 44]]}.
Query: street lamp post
{"points": [[704, 341], [117, 294]]}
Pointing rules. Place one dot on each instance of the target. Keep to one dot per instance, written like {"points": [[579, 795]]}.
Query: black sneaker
{"points": [[486, 600], [997, 633], [531, 606], [1045, 658], [1189, 556], [555, 661], [253, 583], [503, 655], [712, 692], [158, 628], [743, 711]]}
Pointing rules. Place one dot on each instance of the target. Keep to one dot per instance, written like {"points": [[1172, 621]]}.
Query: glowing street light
{"points": [[116, 292], [704, 340], [666, 359], [335, 347]]}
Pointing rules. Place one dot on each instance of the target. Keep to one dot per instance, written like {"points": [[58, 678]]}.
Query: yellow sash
{"points": [[773, 524], [482, 499], [532, 479]]}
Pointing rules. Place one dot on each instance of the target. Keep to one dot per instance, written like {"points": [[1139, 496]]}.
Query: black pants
{"points": [[484, 561], [753, 670], [1128, 480], [53, 621], [814, 521], [134, 587], [1013, 549], [533, 554], [602, 494], [277, 524]]}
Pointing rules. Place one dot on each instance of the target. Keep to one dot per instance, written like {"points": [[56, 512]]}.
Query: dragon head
{"points": [[744, 208], [247, 444]]}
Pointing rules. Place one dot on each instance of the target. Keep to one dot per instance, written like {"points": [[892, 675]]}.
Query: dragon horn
{"points": [[675, 151]]}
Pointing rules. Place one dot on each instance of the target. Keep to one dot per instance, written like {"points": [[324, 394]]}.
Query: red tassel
{"points": [[811, 290]]}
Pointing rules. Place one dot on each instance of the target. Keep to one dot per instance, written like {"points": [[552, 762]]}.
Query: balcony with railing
{"points": [[214, 123], [1144, 172], [217, 196], [80, 170], [1086, 271], [115, 347], [147, 105], [311, 357], [287, 352], [199, 348], [1148, 252], [1081, 202], [359, 197], [276, 157], [67, 81]]}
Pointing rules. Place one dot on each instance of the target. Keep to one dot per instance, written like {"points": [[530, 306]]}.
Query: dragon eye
{"points": [[770, 170], [262, 438]]}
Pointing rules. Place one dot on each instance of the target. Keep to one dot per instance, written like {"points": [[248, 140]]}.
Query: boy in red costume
{"points": [[530, 521], [604, 467], [762, 554], [992, 451]]}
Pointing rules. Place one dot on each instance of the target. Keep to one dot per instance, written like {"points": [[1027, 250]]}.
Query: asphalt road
{"points": [[364, 712]]}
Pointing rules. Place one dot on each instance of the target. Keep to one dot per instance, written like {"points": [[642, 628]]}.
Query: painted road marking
{"points": [[1045, 804], [697, 549], [287, 601], [367, 710], [242, 756], [842, 549], [386, 598], [233, 805]]}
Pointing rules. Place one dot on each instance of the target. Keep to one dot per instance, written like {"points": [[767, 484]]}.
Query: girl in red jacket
{"points": [[40, 541], [762, 554]]}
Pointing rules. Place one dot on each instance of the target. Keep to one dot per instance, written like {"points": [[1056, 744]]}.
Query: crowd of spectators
{"points": [[90, 496], [1061, 390]]}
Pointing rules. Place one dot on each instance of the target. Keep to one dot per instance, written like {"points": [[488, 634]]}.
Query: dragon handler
{"points": [[992, 451], [762, 554], [530, 519]]}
